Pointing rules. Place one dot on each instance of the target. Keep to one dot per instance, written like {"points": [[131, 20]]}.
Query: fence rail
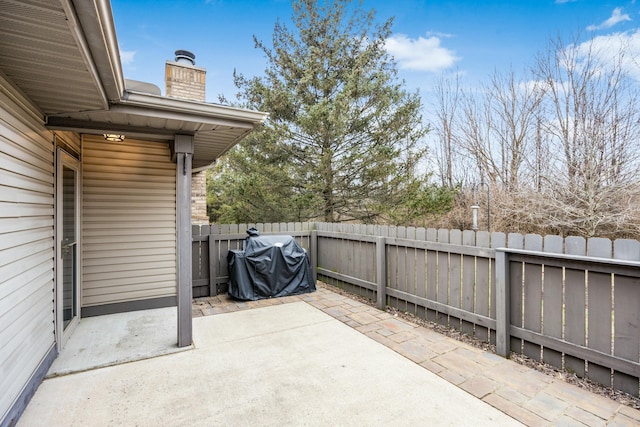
{"points": [[570, 302]]}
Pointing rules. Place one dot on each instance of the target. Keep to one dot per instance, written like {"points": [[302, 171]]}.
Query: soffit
{"points": [[215, 128], [211, 140], [41, 54]]}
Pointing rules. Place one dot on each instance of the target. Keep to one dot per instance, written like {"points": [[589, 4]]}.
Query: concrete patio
{"points": [[531, 397], [289, 364], [118, 338], [314, 359]]}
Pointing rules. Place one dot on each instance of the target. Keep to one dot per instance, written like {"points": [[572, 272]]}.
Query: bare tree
{"points": [[560, 148], [514, 107], [591, 116], [447, 104], [498, 127], [474, 140]]}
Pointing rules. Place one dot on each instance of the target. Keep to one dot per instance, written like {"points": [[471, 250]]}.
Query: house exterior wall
{"points": [[128, 222], [69, 141], [27, 249]]}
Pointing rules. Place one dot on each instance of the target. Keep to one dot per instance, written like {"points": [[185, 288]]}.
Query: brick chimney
{"points": [[183, 79], [186, 81]]}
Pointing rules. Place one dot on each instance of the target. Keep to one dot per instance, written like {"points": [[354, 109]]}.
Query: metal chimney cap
{"points": [[185, 56]]}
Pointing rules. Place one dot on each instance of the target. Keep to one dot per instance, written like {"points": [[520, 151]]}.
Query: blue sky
{"points": [[472, 37]]}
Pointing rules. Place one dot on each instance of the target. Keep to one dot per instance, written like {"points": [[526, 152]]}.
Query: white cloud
{"points": [[616, 17], [617, 48], [564, 1], [127, 56], [421, 54]]}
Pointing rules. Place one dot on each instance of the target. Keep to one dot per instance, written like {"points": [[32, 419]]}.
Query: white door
{"points": [[67, 239]]}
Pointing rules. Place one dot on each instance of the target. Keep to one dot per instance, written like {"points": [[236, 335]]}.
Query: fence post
{"points": [[213, 262], [381, 272], [313, 254], [503, 314]]}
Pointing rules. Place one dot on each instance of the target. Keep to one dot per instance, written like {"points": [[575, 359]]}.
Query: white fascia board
{"points": [[198, 110], [81, 39], [113, 64], [99, 36]]}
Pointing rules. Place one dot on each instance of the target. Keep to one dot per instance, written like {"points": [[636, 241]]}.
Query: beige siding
{"points": [[26, 245], [128, 221], [69, 141]]}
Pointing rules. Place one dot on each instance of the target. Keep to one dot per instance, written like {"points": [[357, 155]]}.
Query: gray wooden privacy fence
{"points": [[570, 302]]}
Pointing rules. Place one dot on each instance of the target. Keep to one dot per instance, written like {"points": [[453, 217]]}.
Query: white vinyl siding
{"points": [[128, 221], [27, 248]]}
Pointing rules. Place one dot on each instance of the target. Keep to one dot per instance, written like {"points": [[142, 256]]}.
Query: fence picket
{"points": [[599, 310], [498, 240], [467, 301], [370, 230], [401, 272], [469, 238], [421, 272], [431, 273], [626, 318], [626, 249], [532, 293], [575, 311], [516, 241], [626, 326], [392, 267], [483, 285], [369, 264], [420, 281], [553, 302], [410, 270], [455, 277], [355, 259], [483, 239], [196, 270], [442, 283]]}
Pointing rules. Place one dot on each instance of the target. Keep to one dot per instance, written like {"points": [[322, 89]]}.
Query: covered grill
{"points": [[269, 266]]}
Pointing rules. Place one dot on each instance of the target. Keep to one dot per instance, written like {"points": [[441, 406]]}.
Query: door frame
{"points": [[64, 159]]}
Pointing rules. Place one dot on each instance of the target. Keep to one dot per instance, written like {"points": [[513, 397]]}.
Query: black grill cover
{"points": [[269, 266]]}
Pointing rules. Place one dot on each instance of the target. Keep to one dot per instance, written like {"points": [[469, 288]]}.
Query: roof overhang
{"points": [[215, 128], [63, 55]]}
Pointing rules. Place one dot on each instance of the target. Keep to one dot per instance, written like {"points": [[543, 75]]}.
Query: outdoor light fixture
{"points": [[114, 137]]}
